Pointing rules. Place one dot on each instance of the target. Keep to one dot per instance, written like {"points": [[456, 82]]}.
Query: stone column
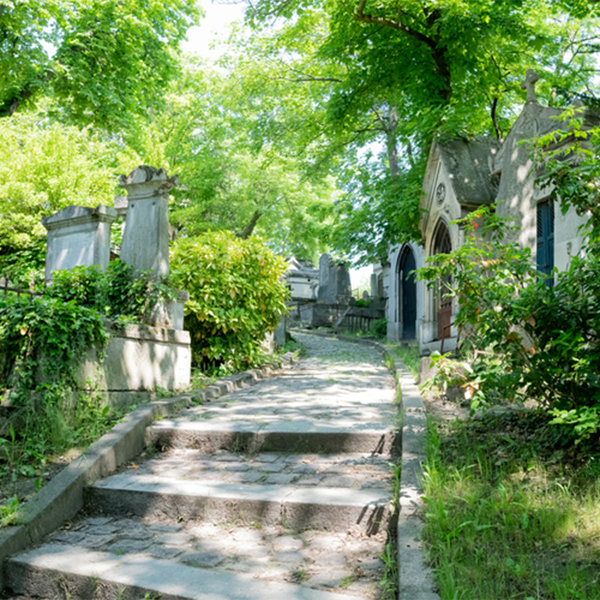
{"points": [[374, 289], [78, 236], [145, 243]]}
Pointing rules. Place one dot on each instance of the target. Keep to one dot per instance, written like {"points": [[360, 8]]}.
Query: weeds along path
{"points": [[278, 491]]}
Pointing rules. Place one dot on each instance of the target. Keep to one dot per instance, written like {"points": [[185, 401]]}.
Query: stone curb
{"points": [[415, 579], [62, 497]]}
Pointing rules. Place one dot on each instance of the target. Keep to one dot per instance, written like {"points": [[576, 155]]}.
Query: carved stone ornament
{"points": [[440, 193]]}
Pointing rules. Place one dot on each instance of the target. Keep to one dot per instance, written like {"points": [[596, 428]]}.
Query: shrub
{"points": [[236, 296], [115, 292], [379, 328], [42, 342], [45, 338], [522, 338]]}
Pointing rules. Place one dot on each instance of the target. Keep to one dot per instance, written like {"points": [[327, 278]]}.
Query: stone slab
{"points": [[296, 436], [48, 570], [331, 509]]}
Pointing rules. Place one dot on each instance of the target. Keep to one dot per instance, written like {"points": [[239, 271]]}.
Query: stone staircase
{"points": [[279, 491]]}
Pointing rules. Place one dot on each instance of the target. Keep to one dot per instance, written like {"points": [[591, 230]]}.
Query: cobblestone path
{"points": [[280, 491]]}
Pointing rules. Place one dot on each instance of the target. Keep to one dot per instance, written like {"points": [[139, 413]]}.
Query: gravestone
{"points": [[339, 290], [323, 277], [145, 244], [374, 286], [78, 235]]}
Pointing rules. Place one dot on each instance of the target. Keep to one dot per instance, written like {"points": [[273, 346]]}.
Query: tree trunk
{"points": [[391, 141], [247, 232]]}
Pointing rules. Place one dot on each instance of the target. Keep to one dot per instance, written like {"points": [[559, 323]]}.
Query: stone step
{"points": [[297, 436], [65, 571], [295, 507]]}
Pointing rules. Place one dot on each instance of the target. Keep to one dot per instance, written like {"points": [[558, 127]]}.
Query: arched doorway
{"points": [[443, 245], [408, 294]]}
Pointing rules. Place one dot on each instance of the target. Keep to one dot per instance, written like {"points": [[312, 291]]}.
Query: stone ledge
{"points": [[62, 497], [79, 215], [152, 334]]}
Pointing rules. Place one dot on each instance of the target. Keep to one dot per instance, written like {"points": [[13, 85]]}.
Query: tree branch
{"points": [[398, 25]]}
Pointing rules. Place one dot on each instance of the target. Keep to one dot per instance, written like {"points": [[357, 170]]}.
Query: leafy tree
{"points": [[45, 167], [102, 61], [394, 72], [221, 133]]}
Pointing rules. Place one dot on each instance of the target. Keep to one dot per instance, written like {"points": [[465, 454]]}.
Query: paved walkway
{"points": [[280, 490]]}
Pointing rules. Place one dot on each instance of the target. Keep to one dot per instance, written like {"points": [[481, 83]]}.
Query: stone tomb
{"points": [[78, 235], [461, 176], [139, 358], [145, 243], [334, 281]]}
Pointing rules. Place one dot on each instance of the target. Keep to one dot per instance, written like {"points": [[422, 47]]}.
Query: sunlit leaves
{"points": [[103, 61], [236, 296]]}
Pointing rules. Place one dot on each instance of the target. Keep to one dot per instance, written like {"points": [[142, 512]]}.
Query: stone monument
{"points": [[323, 277], [78, 235], [145, 243], [339, 289]]}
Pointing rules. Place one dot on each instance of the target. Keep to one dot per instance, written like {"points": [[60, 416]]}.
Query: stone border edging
{"points": [[415, 579], [62, 497]]}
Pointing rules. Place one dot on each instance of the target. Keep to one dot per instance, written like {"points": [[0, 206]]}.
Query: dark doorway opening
{"points": [[443, 245], [408, 295]]}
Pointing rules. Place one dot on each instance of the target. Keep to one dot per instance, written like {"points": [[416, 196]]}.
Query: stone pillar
{"points": [[374, 288], [78, 236], [145, 243], [324, 277], [340, 290]]}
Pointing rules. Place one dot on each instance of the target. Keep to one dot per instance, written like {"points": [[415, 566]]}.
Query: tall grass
{"points": [[506, 519]]}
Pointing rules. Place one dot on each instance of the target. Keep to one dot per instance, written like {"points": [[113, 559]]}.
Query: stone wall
{"points": [[139, 359]]}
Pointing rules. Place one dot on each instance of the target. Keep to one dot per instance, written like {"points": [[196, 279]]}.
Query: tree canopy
{"points": [[102, 61], [313, 129], [393, 73]]}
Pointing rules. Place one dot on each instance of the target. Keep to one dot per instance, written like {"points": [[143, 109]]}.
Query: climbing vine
{"points": [[43, 341]]}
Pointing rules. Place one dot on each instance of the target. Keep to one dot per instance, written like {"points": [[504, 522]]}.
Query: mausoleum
{"points": [[462, 175]]}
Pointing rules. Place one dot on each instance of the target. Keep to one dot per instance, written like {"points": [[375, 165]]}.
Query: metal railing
{"points": [[7, 286]]}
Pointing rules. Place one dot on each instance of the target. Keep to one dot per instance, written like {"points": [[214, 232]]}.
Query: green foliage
{"points": [[228, 134], [45, 167], [385, 78], [102, 62], [236, 296], [43, 340], [511, 510], [410, 355], [42, 343], [117, 291], [379, 328], [9, 512], [389, 583], [522, 339], [377, 210], [362, 303]]}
